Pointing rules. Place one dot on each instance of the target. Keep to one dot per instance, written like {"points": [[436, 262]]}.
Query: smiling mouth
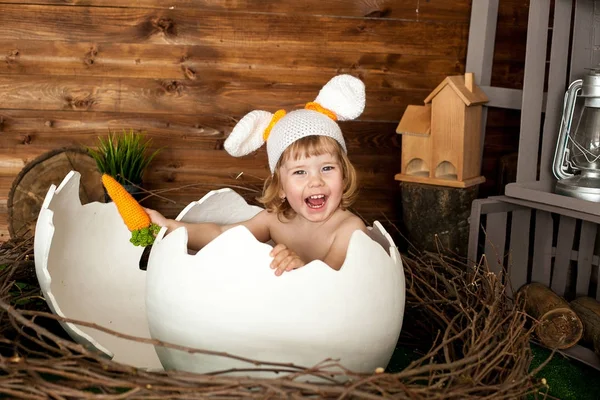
{"points": [[315, 201]]}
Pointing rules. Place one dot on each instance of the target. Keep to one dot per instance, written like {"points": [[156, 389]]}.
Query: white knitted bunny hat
{"points": [[341, 99]]}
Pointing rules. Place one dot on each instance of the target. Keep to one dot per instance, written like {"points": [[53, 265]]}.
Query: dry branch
{"points": [[474, 341]]}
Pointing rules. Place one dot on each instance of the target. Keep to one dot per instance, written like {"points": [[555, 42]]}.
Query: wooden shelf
{"points": [[540, 195], [440, 182]]}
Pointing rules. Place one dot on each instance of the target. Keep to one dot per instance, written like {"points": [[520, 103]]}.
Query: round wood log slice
{"points": [[588, 310], [559, 327], [30, 187]]}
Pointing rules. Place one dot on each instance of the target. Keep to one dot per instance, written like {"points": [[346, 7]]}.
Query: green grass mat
{"points": [[567, 379]]}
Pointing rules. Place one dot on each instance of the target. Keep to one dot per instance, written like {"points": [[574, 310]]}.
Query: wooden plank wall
{"points": [[185, 71]]}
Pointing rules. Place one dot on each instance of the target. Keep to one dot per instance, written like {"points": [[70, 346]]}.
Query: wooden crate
{"points": [[536, 235], [564, 255]]}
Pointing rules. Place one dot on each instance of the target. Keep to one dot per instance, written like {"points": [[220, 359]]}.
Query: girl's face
{"points": [[312, 185]]}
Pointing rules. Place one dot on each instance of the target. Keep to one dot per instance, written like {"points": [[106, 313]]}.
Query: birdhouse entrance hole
{"points": [[417, 167], [445, 170]]}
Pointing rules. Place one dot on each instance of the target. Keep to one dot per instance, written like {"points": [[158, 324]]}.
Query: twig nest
{"points": [[225, 298]]}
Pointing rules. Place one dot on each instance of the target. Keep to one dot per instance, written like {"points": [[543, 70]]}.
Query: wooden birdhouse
{"points": [[441, 142]]}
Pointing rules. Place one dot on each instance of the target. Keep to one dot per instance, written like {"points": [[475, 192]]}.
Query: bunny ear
{"points": [[247, 134], [344, 95]]}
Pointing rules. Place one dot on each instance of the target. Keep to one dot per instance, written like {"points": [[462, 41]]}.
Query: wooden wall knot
{"points": [[188, 72], [172, 86], [353, 67], [164, 25], [170, 177], [361, 28], [383, 13], [80, 103], [457, 66], [26, 139], [90, 56], [12, 56], [1, 124]]}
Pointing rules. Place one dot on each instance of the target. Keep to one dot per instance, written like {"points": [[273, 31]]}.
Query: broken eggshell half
{"points": [[89, 271], [225, 298]]}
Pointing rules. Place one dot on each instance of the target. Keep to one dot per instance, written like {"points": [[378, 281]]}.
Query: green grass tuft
{"points": [[124, 156]]}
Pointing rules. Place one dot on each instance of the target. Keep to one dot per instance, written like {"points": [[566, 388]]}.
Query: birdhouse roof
{"points": [[457, 83], [415, 121]]}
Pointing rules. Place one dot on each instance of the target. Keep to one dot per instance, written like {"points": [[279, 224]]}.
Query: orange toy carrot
{"points": [[135, 217]]}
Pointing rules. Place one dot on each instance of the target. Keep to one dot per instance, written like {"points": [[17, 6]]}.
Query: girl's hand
{"points": [[156, 217], [284, 259]]}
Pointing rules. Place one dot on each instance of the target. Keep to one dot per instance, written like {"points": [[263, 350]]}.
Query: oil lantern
{"points": [[577, 156]]}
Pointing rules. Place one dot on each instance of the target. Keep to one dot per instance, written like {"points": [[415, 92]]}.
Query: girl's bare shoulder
{"points": [[267, 216], [344, 225], [270, 219], [351, 222]]}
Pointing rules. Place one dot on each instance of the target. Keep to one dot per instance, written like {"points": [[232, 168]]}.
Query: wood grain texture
{"points": [[394, 9], [4, 234], [282, 65], [501, 138], [202, 96], [191, 164], [30, 133], [5, 184], [260, 31], [172, 131], [509, 11]]}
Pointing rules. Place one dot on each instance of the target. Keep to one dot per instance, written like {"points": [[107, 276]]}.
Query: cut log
{"points": [[31, 185], [437, 216], [559, 326], [588, 310]]}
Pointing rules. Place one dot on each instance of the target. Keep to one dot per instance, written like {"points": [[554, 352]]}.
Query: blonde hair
{"points": [[309, 146]]}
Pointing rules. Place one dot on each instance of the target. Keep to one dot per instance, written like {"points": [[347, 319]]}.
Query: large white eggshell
{"points": [[89, 271], [226, 298]]}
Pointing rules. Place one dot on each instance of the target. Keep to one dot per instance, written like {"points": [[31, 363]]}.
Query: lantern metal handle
{"points": [[559, 168]]}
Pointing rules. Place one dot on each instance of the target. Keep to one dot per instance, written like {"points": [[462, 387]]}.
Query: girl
{"points": [[312, 181]]}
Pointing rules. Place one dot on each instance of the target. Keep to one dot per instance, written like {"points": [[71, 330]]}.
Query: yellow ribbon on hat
{"points": [[276, 117], [317, 107], [309, 106]]}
